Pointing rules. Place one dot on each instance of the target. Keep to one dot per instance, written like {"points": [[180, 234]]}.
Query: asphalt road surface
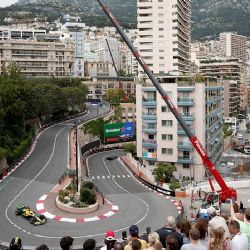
{"points": [[40, 173]]}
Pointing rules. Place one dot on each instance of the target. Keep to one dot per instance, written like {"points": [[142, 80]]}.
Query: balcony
{"points": [[150, 129], [150, 102], [185, 102], [182, 132], [148, 116], [187, 117], [184, 160], [185, 146], [149, 156], [149, 143]]}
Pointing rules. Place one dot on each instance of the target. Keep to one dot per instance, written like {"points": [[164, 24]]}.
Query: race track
{"points": [[40, 173]]}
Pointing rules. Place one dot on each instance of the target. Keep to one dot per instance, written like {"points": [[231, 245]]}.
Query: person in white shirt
{"points": [[239, 240]]}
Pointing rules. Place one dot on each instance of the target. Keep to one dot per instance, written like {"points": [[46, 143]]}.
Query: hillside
{"points": [[209, 18]]}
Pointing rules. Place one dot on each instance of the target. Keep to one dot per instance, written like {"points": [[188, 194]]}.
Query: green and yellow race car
{"points": [[31, 216]]}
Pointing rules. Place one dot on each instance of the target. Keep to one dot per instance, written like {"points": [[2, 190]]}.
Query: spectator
{"points": [[218, 221], [172, 243], [109, 240], [16, 244], [89, 244], [158, 245], [244, 226], [136, 244], [169, 229], [184, 231], [153, 238], [42, 247], [66, 243], [194, 242], [202, 225], [240, 240], [241, 207], [118, 246], [217, 241], [134, 235]]}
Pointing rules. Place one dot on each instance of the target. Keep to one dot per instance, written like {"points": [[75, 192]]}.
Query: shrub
{"points": [[61, 195], [87, 196], [174, 185], [88, 185]]}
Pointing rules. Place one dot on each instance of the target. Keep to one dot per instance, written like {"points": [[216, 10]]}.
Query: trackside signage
{"points": [[121, 130]]}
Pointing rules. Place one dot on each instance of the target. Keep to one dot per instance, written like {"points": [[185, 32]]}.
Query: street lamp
{"points": [[76, 147]]}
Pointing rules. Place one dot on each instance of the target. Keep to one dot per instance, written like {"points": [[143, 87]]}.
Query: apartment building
{"points": [[77, 34], [101, 48], [233, 45], [233, 73], [164, 29], [232, 98], [159, 136], [99, 69], [7, 32], [99, 85], [38, 59]]}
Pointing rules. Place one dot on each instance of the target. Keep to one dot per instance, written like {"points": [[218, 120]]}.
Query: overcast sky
{"points": [[4, 3]]}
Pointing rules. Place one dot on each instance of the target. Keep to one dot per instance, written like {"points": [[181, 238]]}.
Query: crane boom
{"points": [[116, 71], [225, 192]]}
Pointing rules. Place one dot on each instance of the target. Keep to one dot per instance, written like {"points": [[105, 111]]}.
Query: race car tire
{"points": [[42, 217], [18, 212], [32, 221]]}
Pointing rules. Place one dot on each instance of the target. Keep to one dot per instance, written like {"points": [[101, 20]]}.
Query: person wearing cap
{"points": [[134, 235], [170, 229], [109, 241]]}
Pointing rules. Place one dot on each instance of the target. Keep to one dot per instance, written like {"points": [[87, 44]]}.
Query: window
{"points": [[160, 14], [151, 163], [167, 151], [167, 137], [151, 150], [161, 57], [164, 109], [186, 165], [161, 65], [161, 50], [161, 29], [166, 123], [161, 36], [151, 137], [160, 7]]}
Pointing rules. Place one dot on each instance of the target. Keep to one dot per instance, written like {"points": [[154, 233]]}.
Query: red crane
{"points": [[225, 192]]}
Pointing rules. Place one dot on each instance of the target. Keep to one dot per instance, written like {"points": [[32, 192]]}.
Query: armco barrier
{"points": [[20, 159], [150, 185]]}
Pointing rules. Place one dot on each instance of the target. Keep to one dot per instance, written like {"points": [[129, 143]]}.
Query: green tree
{"points": [[164, 171], [114, 96], [75, 97], [95, 128], [48, 99], [130, 147]]}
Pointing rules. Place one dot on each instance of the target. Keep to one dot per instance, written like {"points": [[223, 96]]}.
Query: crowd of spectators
{"points": [[211, 232]]}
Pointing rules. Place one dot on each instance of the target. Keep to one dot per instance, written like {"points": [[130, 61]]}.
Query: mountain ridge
{"points": [[209, 18]]}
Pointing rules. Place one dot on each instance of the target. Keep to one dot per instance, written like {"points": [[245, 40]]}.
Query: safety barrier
{"points": [[21, 158]]}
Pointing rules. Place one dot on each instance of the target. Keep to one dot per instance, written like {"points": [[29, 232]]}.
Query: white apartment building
{"points": [[159, 136], [77, 34], [233, 45], [38, 59], [7, 32], [164, 30], [101, 48]]}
